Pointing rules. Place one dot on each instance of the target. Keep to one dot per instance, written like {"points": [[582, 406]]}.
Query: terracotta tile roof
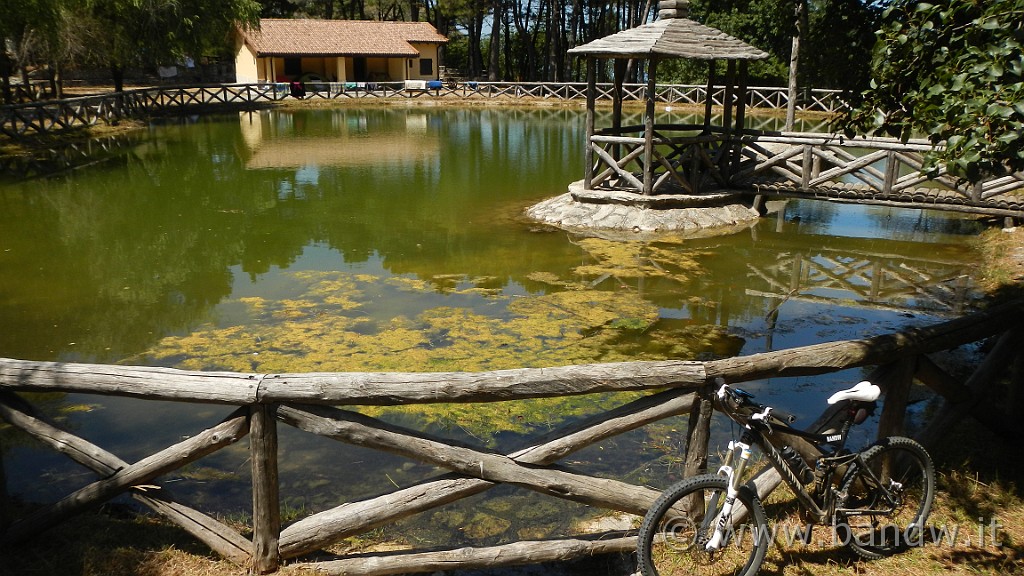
{"points": [[277, 37]]}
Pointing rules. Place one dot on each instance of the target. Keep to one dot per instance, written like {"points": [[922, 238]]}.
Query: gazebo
{"points": [[647, 160]]}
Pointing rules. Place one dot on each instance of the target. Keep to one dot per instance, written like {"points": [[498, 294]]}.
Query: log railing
{"points": [[310, 402], [875, 279], [686, 159], [695, 160], [53, 115], [884, 171]]}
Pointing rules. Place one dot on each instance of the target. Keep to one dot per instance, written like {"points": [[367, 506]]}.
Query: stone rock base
{"points": [[624, 212]]}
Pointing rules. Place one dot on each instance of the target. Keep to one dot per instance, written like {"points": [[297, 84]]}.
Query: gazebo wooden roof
{"points": [[672, 35]]}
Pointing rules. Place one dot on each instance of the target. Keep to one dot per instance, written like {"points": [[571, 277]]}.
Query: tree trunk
{"points": [[56, 80], [509, 71], [799, 13], [498, 8], [5, 77], [477, 44], [117, 74]]}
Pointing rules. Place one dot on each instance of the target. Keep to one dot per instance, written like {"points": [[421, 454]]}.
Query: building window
{"points": [[426, 67]]}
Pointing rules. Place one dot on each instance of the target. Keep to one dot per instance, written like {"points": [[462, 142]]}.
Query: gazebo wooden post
{"points": [[588, 150], [620, 66], [709, 100], [727, 127], [741, 108], [727, 99], [652, 71]]}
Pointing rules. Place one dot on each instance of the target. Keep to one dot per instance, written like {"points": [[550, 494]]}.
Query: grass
{"points": [[1002, 262], [978, 482]]}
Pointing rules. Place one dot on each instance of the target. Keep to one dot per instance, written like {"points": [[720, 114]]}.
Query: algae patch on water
{"points": [[338, 321]]}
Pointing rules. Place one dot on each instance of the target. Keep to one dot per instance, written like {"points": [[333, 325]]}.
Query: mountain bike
{"points": [[877, 499]]}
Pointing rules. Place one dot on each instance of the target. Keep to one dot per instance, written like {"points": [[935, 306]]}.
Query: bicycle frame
{"points": [[820, 511], [822, 508]]}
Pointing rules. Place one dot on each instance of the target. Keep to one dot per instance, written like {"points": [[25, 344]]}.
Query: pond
{"points": [[391, 239]]}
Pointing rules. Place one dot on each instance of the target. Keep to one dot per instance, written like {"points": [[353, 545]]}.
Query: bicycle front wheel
{"points": [[677, 528], [888, 499]]}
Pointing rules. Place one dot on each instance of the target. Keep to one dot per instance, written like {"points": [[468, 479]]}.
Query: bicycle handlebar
{"points": [[744, 399]]}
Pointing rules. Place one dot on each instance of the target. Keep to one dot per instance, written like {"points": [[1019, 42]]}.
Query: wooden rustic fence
{"points": [[54, 115], [883, 171], [838, 271], [695, 160], [310, 402]]}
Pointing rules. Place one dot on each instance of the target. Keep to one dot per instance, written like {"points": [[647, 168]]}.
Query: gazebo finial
{"points": [[673, 9]]}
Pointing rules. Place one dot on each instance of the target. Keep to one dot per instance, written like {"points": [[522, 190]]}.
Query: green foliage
{"points": [[456, 52], [952, 70], [149, 32], [835, 51], [766, 24], [31, 32], [119, 33]]}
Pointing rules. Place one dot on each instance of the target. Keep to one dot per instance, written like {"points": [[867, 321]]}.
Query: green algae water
{"points": [[392, 239]]}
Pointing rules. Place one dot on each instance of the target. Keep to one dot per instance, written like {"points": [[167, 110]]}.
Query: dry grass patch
{"points": [[976, 525], [1002, 263]]}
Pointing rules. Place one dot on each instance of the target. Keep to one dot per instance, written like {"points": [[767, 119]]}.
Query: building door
{"points": [[359, 69]]}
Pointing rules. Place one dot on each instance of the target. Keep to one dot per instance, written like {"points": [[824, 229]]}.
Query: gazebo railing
{"points": [[689, 163]]}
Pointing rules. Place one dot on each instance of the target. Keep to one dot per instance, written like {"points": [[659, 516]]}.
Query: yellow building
{"points": [[337, 51]]}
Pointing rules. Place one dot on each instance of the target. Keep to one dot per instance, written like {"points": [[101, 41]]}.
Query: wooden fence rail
{"points": [[694, 160], [310, 402], [54, 115], [881, 171]]}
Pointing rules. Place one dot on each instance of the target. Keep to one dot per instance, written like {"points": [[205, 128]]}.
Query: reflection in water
{"points": [[351, 138], [391, 239]]}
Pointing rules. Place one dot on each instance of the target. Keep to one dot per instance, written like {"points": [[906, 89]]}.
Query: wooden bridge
{"points": [[311, 403], [837, 271], [681, 161]]}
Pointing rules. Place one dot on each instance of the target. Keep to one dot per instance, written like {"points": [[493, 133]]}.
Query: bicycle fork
{"points": [[733, 475]]}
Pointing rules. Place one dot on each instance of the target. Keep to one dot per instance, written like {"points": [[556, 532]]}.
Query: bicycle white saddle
{"points": [[863, 392]]}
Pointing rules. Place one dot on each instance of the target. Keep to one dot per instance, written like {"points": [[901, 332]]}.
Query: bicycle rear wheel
{"points": [[675, 530], [888, 499]]}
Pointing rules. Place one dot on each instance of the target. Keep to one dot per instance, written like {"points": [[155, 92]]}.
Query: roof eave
{"points": [[337, 55], [605, 54]]}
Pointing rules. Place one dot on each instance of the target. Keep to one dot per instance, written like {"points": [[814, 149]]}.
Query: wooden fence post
{"points": [[696, 459], [5, 511], [266, 509], [895, 381], [1016, 387], [990, 368]]}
